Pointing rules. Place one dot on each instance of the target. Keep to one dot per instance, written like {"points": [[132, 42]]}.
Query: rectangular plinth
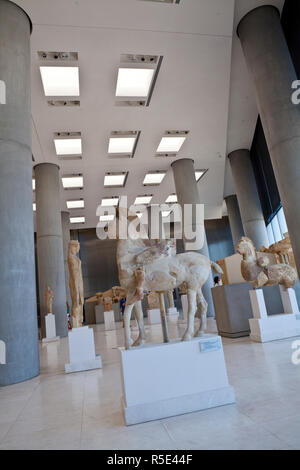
{"points": [[109, 320], [274, 327], [162, 380], [50, 340], [172, 311], [185, 306], [82, 350], [154, 316]]}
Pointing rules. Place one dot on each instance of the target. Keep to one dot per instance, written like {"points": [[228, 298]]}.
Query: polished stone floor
{"points": [[82, 410]]}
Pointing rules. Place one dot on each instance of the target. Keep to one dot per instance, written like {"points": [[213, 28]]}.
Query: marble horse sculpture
{"points": [[258, 270], [150, 265]]}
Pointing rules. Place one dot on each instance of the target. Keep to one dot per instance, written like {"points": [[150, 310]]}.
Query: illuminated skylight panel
{"points": [[34, 207], [110, 201], [154, 178], [33, 184], [199, 174], [114, 179], [134, 82], [170, 144], [165, 213], [142, 200], [77, 220], [72, 182], [79, 204], [107, 218], [68, 146], [119, 145], [60, 81], [171, 199]]}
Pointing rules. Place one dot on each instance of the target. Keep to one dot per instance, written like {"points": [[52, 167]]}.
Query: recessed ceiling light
{"points": [[107, 218], [154, 178], [110, 201], [199, 174], [121, 145], [79, 204], [77, 220], [170, 144], [115, 179], [60, 81], [134, 82], [72, 182], [142, 200], [68, 146], [34, 207], [33, 185], [171, 198]]}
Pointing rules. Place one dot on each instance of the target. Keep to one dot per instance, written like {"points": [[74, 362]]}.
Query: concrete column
{"points": [[50, 244], [271, 68], [18, 313], [248, 198], [234, 216], [187, 193], [65, 224]]}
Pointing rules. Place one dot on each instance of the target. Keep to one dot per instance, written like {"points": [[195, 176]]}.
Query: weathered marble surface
{"points": [[76, 284]]}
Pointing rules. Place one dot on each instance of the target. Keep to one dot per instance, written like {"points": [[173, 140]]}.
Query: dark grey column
{"points": [[234, 216], [49, 244], [18, 313], [248, 198], [187, 193], [65, 224], [273, 73]]}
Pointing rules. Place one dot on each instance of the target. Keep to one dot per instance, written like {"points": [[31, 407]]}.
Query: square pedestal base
{"points": [[172, 311], [82, 351], [50, 340], [109, 320], [274, 327], [163, 380], [154, 316]]}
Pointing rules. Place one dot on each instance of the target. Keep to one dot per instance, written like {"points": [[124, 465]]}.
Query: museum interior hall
{"points": [[149, 225]]}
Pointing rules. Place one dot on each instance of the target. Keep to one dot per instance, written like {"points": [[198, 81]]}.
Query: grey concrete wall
{"points": [[18, 313]]}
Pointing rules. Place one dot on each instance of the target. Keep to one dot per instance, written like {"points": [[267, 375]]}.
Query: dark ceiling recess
{"points": [[263, 169], [174, 2]]}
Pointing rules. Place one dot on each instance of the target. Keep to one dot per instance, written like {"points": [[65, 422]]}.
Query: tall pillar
{"points": [[271, 68], [18, 313], [187, 193], [248, 198], [234, 216], [65, 225], [50, 244]]}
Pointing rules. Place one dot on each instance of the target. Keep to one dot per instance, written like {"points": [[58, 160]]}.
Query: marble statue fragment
{"points": [[76, 284], [153, 300], [49, 296], [259, 271]]}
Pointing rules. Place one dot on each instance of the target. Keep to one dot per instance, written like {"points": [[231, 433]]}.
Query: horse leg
{"points": [[138, 311], [191, 295], [203, 311], [127, 316]]}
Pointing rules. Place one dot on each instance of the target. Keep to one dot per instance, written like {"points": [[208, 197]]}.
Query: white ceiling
{"points": [[202, 86]]}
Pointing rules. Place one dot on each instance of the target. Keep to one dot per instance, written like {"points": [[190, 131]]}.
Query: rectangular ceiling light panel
{"points": [[110, 201], [77, 220], [115, 179], [75, 204], [172, 198], [199, 174], [142, 200], [133, 82], [60, 81], [68, 146], [154, 178], [170, 144], [71, 182], [121, 145], [107, 218]]}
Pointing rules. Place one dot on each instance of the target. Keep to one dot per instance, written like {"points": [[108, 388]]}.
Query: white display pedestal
{"points": [[185, 306], [266, 327], [169, 379], [172, 314], [109, 320], [50, 329], [154, 316], [82, 350]]}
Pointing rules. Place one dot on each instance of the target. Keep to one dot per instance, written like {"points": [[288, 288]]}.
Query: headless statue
{"points": [[76, 284], [49, 296]]}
